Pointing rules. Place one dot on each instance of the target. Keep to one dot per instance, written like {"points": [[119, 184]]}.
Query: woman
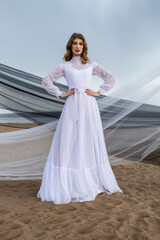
{"points": [[77, 168]]}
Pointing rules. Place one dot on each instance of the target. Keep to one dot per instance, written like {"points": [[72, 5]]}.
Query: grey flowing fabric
{"points": [[131, 127]]}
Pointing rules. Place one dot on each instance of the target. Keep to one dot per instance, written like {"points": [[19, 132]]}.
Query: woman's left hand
{"points": [[92, 93]]}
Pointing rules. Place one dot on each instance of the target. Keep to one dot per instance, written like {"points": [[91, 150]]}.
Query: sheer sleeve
{"points": [[108, 78], [47, 81]]}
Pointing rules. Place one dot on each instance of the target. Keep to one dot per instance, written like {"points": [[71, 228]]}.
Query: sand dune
{"points": [[132, 215]]}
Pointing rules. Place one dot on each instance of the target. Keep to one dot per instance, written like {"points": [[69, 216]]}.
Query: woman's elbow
{"points": [[44, 81]]}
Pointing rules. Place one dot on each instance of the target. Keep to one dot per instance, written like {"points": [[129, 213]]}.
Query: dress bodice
{"points": [[78, 76]]}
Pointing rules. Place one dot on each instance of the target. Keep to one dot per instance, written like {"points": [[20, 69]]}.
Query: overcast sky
{"points": [[122, 35]]}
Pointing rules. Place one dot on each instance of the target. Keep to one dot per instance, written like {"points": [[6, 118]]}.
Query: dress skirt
{"points": [[77, 167]]}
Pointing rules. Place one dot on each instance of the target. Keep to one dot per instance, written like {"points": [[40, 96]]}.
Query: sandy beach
{"points": [[133, 215]]}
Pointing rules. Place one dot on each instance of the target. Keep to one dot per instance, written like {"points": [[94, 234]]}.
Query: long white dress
{"points": [[77, 167]]}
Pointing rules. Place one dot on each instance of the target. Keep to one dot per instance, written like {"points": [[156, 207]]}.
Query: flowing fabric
{"points": [[131, 127]]}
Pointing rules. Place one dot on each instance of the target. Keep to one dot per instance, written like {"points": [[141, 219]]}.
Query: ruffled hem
{"points": [[63, 185]]}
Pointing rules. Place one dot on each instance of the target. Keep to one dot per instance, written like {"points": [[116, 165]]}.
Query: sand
{"points": [[10, 127], [133, 215]]}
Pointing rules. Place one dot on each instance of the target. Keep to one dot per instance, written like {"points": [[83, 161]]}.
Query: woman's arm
{"points": [[108, 78], [47, 81]]}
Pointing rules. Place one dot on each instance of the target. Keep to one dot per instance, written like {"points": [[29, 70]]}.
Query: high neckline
{"points": [[76, 58]]}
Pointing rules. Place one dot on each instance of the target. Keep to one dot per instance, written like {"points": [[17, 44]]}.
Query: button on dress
{"points": [[77, 167]]}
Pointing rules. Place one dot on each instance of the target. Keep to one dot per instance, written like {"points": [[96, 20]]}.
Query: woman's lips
{"points": [[77, 50]]}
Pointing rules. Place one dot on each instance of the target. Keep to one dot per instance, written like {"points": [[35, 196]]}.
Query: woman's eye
{"points": [[77, 43]]}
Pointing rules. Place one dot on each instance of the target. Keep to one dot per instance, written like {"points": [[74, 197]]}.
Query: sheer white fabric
{"points": [[131, 128], [75, 63], [108, 78], [48, 80]]}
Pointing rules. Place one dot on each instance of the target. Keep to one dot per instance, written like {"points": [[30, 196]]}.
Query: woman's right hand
{"points": [[68, 93]]}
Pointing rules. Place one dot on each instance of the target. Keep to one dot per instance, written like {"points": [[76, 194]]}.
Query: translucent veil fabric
{"points": [[131, 127]]}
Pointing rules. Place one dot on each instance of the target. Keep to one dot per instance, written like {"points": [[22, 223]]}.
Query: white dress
{"points": [[77, 167]]}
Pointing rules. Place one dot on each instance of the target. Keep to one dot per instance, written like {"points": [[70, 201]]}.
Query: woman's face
{"points": [[77, 47]]}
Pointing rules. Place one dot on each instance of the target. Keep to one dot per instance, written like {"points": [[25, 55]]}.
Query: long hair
{"points": [[68, 55]]}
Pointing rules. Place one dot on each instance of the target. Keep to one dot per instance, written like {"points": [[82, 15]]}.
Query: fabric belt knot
{"points": [[76, 101]]}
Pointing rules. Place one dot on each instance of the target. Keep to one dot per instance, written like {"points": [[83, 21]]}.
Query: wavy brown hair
{"points": [[68, 55]]}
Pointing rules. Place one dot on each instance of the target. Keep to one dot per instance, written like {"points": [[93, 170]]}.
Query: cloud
{"points": [[123, 36]]}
